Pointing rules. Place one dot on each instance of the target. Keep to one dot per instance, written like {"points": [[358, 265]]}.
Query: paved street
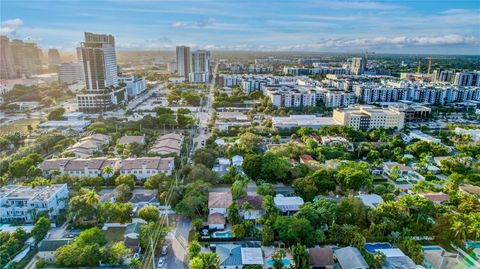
{"points": [[179, 244]]}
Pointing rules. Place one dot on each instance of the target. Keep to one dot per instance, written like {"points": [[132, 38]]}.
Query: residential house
{"points": [[306, 159], [234, 256], [252, 256], [145, 167], [237, 160], [250, 206], [218, 202], [47, 248], [288, 205], [336, 141], [396, 259], [376, 170], [132, 230], [350, 258], [370, 200], [216, 221], [230, 256], [222, 165], [437, 198], [321, 258], [127, 139], [88, 145], [438, 160], [168, 144], [403, 170], [470, 189]]}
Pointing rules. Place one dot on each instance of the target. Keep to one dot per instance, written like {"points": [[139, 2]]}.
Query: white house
{"points": [[250, 206], [216, 221], [47, 248], [370, 200], [287, 205], [350, 258], [237, 160], [218, 202], [402, 169], [23, 203]]}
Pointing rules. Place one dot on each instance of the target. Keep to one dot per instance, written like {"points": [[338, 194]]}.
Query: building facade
{"points": [[23, 203], [70, 73], [183, 61], [359, 64], [200, 72], [367, 118]]}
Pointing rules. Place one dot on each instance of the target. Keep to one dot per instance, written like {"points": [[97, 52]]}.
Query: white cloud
{"points": [[10, 26], [195, 24]]}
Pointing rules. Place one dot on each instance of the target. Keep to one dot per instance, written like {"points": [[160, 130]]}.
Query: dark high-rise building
{"points": [[99, 61]]}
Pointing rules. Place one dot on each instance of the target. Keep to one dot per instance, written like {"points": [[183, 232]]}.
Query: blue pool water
{"points": [[472, 244], [286, 262], [431, 248], [222, 235], [373, 247]]}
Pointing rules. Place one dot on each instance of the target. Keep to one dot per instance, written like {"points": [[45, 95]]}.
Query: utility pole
{"points": [[153, 253]]}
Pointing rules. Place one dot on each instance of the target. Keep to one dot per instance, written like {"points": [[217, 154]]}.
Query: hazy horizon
{"points": [[384, 27]]}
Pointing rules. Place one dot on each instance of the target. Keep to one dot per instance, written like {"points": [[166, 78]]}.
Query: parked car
{"points": [[161, 262], [164, 249]]}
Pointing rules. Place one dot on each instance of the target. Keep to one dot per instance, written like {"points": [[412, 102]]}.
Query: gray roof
{"points": [[133, 228], [230, 255], [52, 244], [350, 258], [403, 262]]}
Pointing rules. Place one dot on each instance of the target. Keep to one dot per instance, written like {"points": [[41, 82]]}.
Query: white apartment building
{"points": [[134, 85], [291, 96], [333, 97], [78, 167], [23, 203], [200, 72], [70, 73], [367, 118], [467, 79], [143, 168]]}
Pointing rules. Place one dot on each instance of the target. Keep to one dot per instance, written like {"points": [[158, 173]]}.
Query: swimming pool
{"points": [[472, 244], [373, 247], [222, 235], [286, 262], [432, 248]]}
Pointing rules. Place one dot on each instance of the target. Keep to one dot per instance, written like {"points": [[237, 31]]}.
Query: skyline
{"points": [[311, 26]]}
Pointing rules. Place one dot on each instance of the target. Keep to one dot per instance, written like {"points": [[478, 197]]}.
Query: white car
{"points": [[164, 250], [161, 262]]}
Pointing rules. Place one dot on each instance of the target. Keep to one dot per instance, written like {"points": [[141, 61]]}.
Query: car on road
{"points": [[164, 250], [161, 262]]}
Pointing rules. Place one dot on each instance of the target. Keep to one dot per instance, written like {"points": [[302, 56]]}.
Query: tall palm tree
{"points": [[107, 171], [92, 198]]}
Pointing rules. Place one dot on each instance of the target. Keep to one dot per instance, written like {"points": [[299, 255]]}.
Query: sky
{"points": [[408, 26]]}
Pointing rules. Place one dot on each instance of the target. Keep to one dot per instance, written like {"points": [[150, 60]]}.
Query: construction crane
{"points": [[429, 68], [419, 76]]}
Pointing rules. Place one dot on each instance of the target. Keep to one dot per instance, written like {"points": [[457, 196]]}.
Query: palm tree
{"points": [[92, 198], [107, 171], [210, 260]]}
